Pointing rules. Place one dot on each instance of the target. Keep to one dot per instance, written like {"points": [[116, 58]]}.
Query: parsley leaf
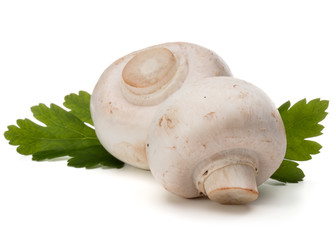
{"points": [[288, 172], [301, 121], [79, 106], [92, 157], [65, 134]]}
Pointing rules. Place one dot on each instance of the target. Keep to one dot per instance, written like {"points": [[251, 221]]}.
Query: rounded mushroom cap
{"points": [[215, 118], [130, 90]]}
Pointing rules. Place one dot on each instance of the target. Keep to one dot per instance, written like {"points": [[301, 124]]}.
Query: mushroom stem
{"points": [[228, 177], [149, 70], [152, 75], [233, 184]]}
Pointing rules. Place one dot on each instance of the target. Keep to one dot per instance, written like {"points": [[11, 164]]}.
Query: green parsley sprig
{"points": [[301, 122], [67, 133]]}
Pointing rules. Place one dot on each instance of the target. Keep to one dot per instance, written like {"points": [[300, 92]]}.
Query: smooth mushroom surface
{"points": [[220, 137], [131, 89]]}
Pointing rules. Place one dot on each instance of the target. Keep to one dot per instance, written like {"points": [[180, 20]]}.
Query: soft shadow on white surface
{"points": [[205, 205], [271, 194], [276, 193]]}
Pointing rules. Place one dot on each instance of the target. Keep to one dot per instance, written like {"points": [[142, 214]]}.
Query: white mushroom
{"points": [[128, 93], [219, 137]]}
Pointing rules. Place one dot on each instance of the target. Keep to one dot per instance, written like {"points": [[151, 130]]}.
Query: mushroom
{"points": [[130, 91], [220, 137]]}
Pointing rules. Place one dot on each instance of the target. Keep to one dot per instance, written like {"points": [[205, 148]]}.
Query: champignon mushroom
{"points": [[128, 93], [219, 137]]}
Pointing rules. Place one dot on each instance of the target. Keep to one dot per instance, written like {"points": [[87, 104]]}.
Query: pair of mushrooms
{"points": [[175, 109]]}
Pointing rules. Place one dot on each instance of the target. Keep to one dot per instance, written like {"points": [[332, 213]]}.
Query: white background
{"points": [[49, 49]]}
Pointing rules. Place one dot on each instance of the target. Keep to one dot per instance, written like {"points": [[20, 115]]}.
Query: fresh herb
{"points": [[301, 121], [288, 172], [79, 106], [65, 134]]}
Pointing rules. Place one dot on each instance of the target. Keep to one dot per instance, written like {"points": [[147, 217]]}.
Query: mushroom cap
{"points": [[212, 117], [126, 97]]}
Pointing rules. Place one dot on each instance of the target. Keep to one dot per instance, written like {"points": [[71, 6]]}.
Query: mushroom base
{"points": [[228, 177], [233, 184]]}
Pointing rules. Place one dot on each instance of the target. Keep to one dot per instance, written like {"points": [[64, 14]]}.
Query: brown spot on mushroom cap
{"points": [[167, 122], [275, 116], [111, 107], [243, 94], [210, 115], [165, 172], [160, 122], [169, 119]]}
